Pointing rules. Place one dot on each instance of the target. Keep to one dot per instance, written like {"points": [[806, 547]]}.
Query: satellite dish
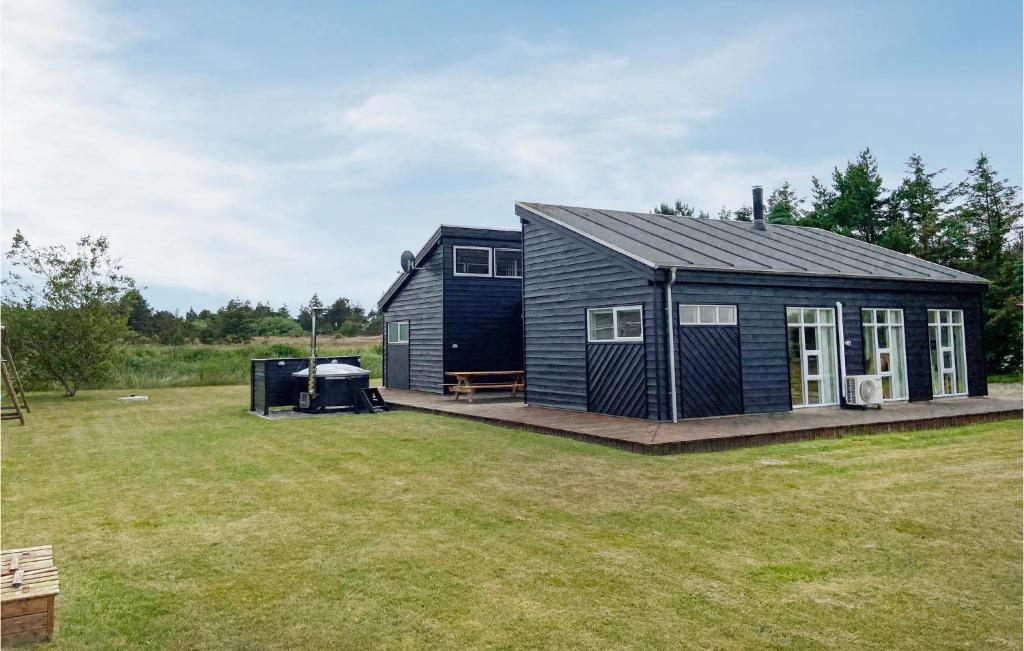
{"points": [[408, 259]]}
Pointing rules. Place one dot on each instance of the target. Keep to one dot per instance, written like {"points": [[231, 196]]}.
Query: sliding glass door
{"points": [[949, 358], [812, 356], [884, 351]]}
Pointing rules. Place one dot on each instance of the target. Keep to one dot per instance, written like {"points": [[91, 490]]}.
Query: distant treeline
{"points": [[240, 321], [973, 225]]}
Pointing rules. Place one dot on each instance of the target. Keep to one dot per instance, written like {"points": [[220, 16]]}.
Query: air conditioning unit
{"points": [[864, 390]]}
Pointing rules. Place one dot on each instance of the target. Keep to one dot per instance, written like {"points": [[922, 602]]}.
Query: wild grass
{"points": [[183, 522], [150, 366], [1006, 378]]}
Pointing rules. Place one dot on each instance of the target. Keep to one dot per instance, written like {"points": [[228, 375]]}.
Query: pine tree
{"points": [[681, 209], [992, 209], [823, 200], [919, 207], [784, 206], [990, 214], [859, 206], [743, 214]]}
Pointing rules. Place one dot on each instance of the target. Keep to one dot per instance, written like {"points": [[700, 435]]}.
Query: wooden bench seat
{"points": [[470, 389]]}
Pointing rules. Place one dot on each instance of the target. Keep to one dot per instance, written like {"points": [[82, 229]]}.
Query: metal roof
{"points": [[663, 241], [444, 230]]}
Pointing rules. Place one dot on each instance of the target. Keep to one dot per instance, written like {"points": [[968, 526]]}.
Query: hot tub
{"points": [[337, 386]]}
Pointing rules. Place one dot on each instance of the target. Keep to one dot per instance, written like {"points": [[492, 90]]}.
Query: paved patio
{"points": [[706, 434]]}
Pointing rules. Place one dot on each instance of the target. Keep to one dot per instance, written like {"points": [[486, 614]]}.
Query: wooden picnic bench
{"points": [[466, 382]]}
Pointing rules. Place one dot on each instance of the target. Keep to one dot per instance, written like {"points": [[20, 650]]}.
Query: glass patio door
{"points": [[949, 358], [884, 351], [812, 356]]}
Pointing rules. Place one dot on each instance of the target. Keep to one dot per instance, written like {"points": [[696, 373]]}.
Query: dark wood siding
{"points": [[420, 303], [762, 302], [710, 370], [617, 379], [564, 275], [483, 323]]}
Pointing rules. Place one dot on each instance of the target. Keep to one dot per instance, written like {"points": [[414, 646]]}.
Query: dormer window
{"points": [[485, 262], [472, 260], [508, 263]]}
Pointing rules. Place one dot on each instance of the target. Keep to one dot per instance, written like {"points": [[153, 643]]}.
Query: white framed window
{"points": [[948, 352], [885, 350], [472, 261], [811, 336], [615, 324], [508, 263], [707, 315], [398, 332]]}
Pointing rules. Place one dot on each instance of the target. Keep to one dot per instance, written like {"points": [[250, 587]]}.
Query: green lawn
{"points": [[184, 522]]}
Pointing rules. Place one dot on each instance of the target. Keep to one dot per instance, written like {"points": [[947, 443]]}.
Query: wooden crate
{"points": [[26, 610]]}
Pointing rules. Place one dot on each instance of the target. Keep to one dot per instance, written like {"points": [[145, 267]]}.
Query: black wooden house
{"points": [[659, 317], [459, 308]]}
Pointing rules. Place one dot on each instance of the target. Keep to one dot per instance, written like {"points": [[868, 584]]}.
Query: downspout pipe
{"points": [[671, 343], [842, 351]]}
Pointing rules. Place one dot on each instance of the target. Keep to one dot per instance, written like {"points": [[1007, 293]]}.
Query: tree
{"points": [[859, 204], [277, 326], [784, 206], [1002, 312], [681, 209], [235, 322], [374, 324], [992, 209], [823, 200], [990, 213], [918, 208], [64, 309], [140, 314], [305, 318], [743, 214], [724, 214], [172, 330]]}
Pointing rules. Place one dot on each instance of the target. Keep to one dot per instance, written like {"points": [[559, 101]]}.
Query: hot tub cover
{"points": [[333, 370]]}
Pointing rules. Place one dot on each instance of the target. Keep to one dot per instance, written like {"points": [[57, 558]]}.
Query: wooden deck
{"points": [[706, 434]]}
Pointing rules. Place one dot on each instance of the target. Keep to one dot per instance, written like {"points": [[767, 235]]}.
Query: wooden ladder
{"points": [[12, 388]]}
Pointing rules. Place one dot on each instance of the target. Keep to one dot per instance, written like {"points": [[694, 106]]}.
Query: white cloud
{"points": [[87, 147], [91, 146]]}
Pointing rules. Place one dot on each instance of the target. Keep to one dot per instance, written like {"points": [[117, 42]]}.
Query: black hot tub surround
{"points": [[337, 386]]}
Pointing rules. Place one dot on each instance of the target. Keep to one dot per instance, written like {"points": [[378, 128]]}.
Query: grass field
{"points": [[183, 522], [148, 366]]}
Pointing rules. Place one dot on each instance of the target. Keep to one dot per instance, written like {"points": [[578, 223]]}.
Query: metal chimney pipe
{"points": [[758, 207]]}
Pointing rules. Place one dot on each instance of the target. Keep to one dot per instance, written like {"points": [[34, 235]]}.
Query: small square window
{"points": [[628, 324], [727, 314], [707, 314], [688, 314], [601, 324], [472, 261], [508, 263], [610, 324], [398, 332]]}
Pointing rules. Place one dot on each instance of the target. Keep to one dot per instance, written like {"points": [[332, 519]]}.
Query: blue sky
{"points": [[228, 147]]}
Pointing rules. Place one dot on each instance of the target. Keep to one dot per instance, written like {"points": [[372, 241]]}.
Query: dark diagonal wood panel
{"points": [[709, 362], [617, 380]]}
